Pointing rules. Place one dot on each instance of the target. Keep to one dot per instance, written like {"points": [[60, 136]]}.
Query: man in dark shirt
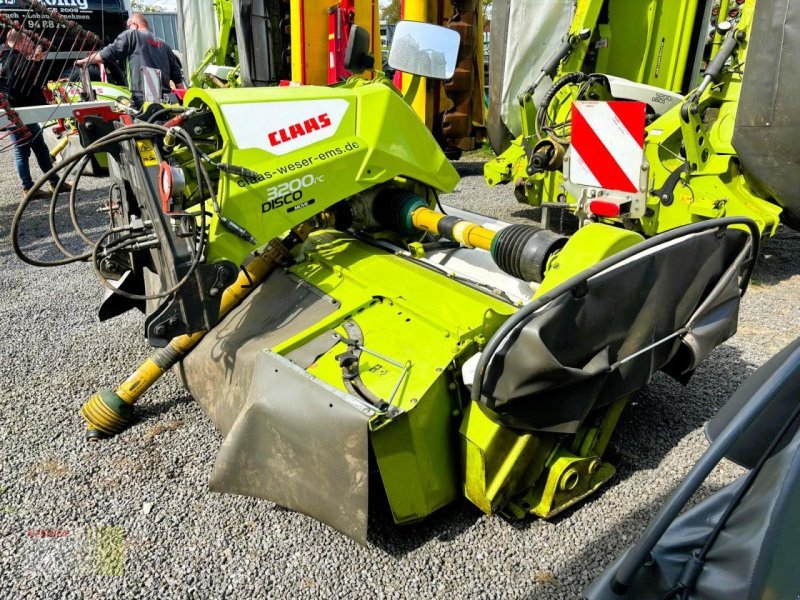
{"points": [[21, 92], [138, 47]]}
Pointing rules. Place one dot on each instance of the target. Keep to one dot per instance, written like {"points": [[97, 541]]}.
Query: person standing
{"points": [[18, 50], [139, 47]]}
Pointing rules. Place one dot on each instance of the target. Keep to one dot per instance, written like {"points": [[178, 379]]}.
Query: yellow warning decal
{"points": [[147, 153]]}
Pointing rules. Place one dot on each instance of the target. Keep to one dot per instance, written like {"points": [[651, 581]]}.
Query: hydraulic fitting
{"points": [[171, 138]]}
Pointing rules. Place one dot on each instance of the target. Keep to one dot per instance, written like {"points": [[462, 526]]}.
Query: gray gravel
{"points": [[183, 541]]}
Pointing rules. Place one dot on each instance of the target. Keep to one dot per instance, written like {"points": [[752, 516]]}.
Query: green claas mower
{"points": [[715, 129], [341, 328]]}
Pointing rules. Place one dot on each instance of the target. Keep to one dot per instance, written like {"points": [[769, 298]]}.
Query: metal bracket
{"points": [[194, 308], [585, 194], [695, 138], [666, 193]]}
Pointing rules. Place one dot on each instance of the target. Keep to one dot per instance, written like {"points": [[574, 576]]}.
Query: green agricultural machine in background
{"points": [[718, 129], [346, 336]]}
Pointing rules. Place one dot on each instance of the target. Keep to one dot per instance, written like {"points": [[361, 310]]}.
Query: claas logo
{"points": [[286, 134]]}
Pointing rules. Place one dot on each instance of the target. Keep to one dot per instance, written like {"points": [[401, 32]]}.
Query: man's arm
{"points": [[119, 50], [93, 59]]}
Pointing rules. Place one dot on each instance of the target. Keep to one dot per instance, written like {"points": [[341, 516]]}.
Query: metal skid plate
{"points": [[219, 371], [305, 447], [289, 437]]}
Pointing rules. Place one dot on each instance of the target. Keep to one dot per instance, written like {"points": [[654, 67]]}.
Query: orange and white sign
{"points": [[607, 146]]}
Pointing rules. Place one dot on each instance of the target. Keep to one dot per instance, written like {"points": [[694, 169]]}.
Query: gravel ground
{"points": [[180, 540]]}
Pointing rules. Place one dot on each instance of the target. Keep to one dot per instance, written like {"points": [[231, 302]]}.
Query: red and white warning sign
{"points": [[607, 146], [151, 81]]}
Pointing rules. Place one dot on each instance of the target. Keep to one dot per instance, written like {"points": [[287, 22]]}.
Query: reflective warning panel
{"points": [[151, 80], [607, 147]]}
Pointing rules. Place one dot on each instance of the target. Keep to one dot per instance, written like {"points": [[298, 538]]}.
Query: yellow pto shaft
{"points": [[465, 233], [522, 251], [109, 412], [60, 146]]}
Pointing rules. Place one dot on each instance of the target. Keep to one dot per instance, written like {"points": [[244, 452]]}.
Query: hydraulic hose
{"points": [[15, 222], [126, 133], [541, 114], [203, 178], [130, 132], [54, 204], [73, 200]]}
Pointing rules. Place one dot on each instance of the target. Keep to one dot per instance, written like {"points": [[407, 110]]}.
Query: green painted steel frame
{"points": [[416, 317], [363, 153], [711, 183]]}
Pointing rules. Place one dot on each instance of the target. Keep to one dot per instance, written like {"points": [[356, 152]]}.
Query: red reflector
{"points": [[165, 186], [604, 208]]}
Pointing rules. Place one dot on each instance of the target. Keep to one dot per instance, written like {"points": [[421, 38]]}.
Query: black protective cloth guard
{"points": [[754, 440], [766, 128], [532, 375], [756, 517]]}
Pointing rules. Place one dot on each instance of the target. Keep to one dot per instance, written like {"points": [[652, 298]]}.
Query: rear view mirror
{"points": [[357, 58], [424, 49]]}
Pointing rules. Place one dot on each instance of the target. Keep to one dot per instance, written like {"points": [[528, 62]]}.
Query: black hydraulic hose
{"points": [[123, 134], [541, 115], [198, 254], [73, 199], [111, 197], [54, 205], [112, 137], [514, 320], [164, 111], [123, 293], [568, 79], [640, 551]]}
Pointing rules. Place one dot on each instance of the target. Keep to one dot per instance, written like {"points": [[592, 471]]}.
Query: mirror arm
{"points": [[413, 87]]}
